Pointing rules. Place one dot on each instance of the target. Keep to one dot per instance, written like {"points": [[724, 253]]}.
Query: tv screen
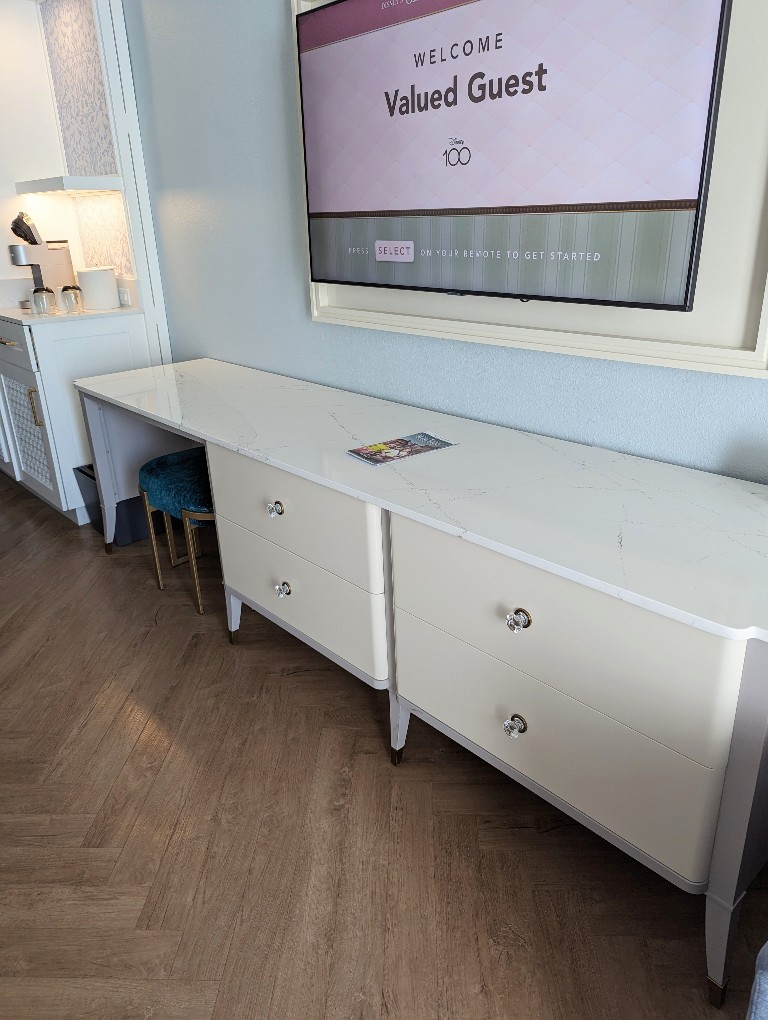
{"points": [[549, 149]]}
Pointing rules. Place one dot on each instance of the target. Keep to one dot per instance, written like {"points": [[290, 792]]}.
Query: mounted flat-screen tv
{"points": [[547, 149]]}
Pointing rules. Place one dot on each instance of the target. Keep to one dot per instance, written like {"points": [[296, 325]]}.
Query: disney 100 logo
{"points": [[457, 154]]}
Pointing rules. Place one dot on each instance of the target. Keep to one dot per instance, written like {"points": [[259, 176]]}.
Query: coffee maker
{"points": [[50, 261]]}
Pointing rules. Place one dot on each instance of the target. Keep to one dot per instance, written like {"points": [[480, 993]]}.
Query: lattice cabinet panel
{"points": [[28, 434]]}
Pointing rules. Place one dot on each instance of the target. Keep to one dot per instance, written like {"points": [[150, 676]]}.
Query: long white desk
{"points": [[656, 570]]}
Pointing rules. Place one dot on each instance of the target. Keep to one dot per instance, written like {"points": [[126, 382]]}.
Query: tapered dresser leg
{"points": [[721, 924], [716, 993], [399, 717], [234, 607]]}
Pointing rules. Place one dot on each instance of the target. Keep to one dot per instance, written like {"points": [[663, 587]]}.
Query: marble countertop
{"points": [[688, 544], [25, 318]]}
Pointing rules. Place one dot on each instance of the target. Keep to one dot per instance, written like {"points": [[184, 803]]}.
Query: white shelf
{"points": [[70, 185]]}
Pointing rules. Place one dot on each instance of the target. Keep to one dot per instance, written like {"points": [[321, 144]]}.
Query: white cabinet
{"points": [[42, 438]]}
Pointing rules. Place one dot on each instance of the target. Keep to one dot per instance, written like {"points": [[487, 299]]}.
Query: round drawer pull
{"points": [[275, 509], [282, 589], [518, 620], [514, 726]]}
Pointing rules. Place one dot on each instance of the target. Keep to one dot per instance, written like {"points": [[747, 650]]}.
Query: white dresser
{"points": [[624, 714], [308, 557], [595, 625]]}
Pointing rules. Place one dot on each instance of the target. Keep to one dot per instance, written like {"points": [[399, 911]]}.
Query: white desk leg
{"points": [[102, 464], [121, 441], [399, 717], [741, 839], [234, 606]]}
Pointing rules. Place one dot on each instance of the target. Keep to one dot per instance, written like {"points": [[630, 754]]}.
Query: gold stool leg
{"points": [[153, 540], [187, 516], [175, 559]]}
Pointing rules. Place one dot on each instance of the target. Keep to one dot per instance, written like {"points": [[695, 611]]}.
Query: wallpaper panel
{"points": [[73, 55], [103, 234]]}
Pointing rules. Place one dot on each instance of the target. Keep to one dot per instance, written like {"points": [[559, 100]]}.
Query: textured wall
{"points": [[217, 98]]}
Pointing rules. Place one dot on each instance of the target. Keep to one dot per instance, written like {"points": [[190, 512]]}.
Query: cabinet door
{"points": [[24, 411]]}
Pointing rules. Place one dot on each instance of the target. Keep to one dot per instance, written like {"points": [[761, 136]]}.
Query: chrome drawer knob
{"points": [[514, 726], [518, 620], [275, 509], [282, 589]]}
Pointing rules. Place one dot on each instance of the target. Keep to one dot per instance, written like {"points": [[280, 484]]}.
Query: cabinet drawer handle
{"points": [[275, 509], [31, 395], [518, 620], [514, 726], [282, 589]]}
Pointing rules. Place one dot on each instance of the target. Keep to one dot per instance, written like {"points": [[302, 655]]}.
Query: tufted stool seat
{"points": [[177, 485]]}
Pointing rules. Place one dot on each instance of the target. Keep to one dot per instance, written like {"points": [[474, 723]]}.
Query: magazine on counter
{"points": [[396, 449]]}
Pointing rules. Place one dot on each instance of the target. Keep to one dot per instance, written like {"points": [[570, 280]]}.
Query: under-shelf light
{"points": [[70, 185]]}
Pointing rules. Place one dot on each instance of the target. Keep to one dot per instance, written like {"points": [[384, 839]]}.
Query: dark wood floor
{"points": [[192, 830]]}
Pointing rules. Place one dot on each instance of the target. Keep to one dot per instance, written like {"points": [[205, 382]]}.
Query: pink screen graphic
{"points": [[491, 104]]}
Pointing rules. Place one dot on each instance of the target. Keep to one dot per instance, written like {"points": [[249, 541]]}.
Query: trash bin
{"points": [[131, 523]]}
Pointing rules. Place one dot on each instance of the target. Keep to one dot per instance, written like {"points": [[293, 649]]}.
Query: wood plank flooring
{"points": [[194, 830]]}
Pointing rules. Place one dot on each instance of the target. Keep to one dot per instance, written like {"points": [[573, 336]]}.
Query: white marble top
{"points": [[25, 318], [687, 544]]}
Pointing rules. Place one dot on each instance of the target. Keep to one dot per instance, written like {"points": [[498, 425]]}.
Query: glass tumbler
{"points": [[42, 301], [71, 299]]}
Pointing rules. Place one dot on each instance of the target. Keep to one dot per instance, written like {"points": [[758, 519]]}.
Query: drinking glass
{"points": [[42, 301]]}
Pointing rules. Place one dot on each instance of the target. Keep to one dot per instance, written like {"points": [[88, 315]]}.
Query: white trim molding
{"points": [[118, 76]]}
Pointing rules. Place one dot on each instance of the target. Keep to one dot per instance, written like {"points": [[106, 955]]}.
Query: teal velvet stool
{"points": [[177, 485]]}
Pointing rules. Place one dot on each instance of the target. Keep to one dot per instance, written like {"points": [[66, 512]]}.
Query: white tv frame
{"points": [[726, 332]]}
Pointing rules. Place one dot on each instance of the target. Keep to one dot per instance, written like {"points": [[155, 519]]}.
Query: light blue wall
{"points": [[217, 98]]}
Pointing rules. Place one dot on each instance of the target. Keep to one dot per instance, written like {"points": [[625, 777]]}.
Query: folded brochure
{"points": [[397, 449]]}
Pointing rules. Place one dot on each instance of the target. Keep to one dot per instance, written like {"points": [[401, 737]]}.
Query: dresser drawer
{"points": [[676, 684], [329, 528], [16, 345], [340, 616], [662, 802]]}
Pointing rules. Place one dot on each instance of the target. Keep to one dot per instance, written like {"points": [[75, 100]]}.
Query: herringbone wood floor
{"points": [[192, 830]]}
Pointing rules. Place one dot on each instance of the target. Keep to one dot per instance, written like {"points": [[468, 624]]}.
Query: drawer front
{"points": [[16, 345], [328, 528], [339, 615], [662, 802], [676, 684]]}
